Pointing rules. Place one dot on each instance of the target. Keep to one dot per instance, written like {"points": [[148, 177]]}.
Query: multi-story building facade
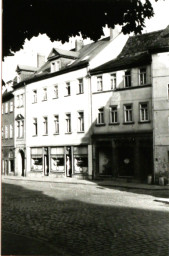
{"points": [[130, 110], [100, 110], [56, 102], [8, 152]]}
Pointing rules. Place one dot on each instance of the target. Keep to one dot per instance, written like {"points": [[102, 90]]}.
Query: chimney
{"points": [[40, 60], [114, 32], [78, 44]]}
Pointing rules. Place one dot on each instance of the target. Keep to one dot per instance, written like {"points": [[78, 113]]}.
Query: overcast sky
{"points": [[26, 56]]}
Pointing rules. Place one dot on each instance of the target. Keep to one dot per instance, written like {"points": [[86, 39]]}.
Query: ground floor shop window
{"points": [[80, 159], [105, 160], [36, 159], [57, 159]]}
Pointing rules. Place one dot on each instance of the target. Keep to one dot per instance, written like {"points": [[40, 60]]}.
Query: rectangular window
{"points": [[113, 114], [17, 129], [11, 131], [45, 125], [100, 117], [80, 86], [55, 92], [142, 76], [6, 107], [67, 89], [99, 84], [44, 94], [21, 100], [128, 115], [144, 116], [35, 127], [11, 106], [21, 128], [127, 79], [81, 121], [56, 124], [113, 81], [6, 132], [34, 96], [68, 123]]}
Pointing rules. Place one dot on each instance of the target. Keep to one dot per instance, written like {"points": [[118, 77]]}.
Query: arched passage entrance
{"points": [[21, 162]]}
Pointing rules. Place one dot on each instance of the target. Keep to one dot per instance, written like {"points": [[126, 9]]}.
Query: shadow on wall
{"points": [[77, 227]]}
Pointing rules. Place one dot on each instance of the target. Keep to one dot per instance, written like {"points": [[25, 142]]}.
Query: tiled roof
{"points": [[136, 51], [123, 63]]}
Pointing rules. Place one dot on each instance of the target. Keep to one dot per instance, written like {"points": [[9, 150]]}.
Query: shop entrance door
{"points": [[126, 161], [68, 162]]}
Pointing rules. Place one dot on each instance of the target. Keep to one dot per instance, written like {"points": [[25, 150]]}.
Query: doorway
{"points": [[126, 161], [68, 162], [21, 163]]}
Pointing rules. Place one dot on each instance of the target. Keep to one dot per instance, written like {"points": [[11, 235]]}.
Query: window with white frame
{"points": [[128, 113], [45, 125], [6, 107], [56, 124], [99, 84], [144, 113], [55, 66], [80, 86], [113, 81], [21, 100], [11, 106], [67, 89], [127, 79], [11, 131], [80, 121], [113, 115], [142, 76], [34, 100], [35, 127], [68, 123], [44, 97], [6, 132], [100, 116], [55, 92], [20, 129]]}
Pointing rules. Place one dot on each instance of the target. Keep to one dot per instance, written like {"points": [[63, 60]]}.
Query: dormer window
{"points": [[55, 66], [18, 79]]}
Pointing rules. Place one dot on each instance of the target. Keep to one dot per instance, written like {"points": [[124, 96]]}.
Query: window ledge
{"points": [[79, 93], [34, 102], [56, 133], [44, 100], [100, 124], [55, 98], [80, 131], [114, 123], [68, 132], [45, 135], [144, 122], [34, 135], [67, 95], [125, 123]]}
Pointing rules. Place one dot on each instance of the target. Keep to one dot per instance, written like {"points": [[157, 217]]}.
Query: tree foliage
{"points": [[61, 19]]}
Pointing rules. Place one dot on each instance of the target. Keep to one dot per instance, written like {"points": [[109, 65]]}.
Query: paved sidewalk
{"points": [[108, 183]]}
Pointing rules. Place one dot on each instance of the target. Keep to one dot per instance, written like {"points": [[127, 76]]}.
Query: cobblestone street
{"points": [[83, 220]]}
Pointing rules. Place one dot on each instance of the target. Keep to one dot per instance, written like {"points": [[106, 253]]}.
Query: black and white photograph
{"points": [[85, 127]]}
